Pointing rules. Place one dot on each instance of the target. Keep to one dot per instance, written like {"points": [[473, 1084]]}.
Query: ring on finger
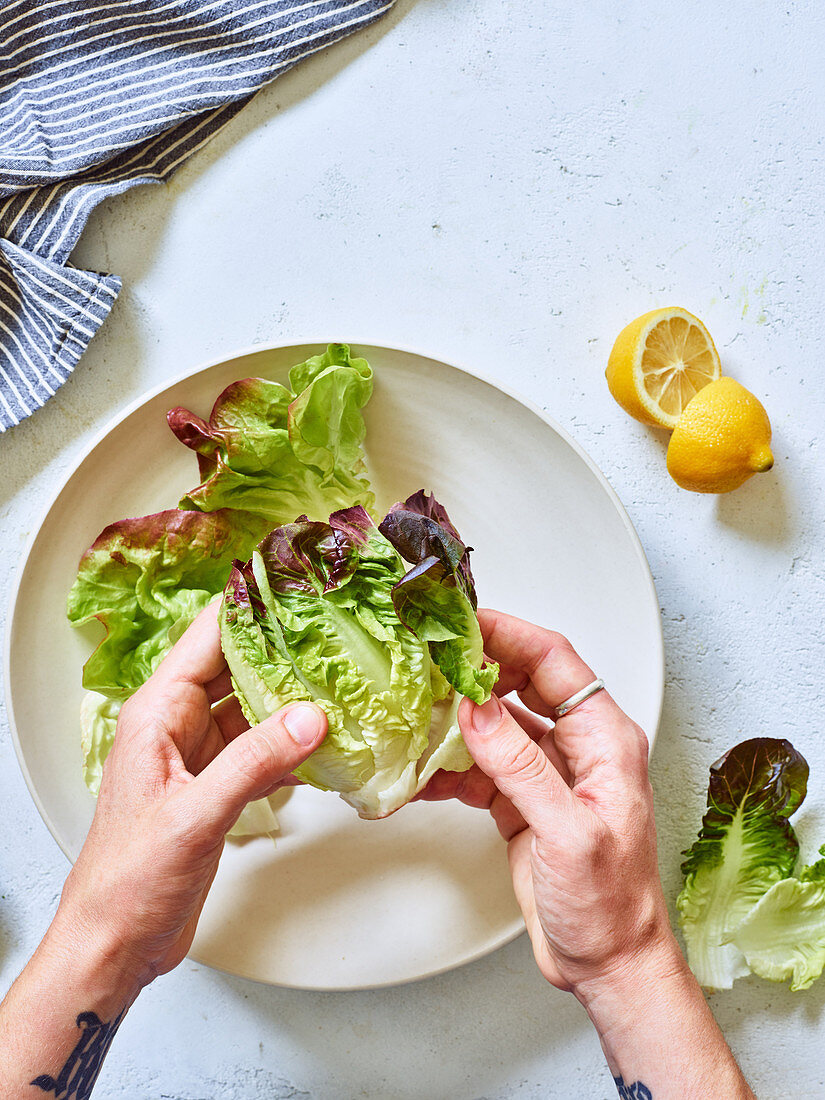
{"points": [[578, 697]]}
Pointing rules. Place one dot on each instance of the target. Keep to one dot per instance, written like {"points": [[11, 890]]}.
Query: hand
{"points": [[176, 780], [573, 802]]}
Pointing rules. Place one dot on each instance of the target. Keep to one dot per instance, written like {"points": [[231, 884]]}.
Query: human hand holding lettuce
{"points": [[179, 774], [574, 804], [572, 800], [384, 648]]}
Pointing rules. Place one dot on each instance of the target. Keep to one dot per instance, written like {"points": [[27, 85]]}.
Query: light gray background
{"points": [[507, 185]]}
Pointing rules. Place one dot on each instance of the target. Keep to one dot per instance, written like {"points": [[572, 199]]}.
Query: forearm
{"points": [[59, 1017], [658, 1034]]}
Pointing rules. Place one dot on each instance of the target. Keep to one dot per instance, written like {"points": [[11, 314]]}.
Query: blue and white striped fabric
{"points": [[96, 98]]}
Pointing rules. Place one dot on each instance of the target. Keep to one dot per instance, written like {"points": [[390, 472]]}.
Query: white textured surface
{"points": [[506, 185]]}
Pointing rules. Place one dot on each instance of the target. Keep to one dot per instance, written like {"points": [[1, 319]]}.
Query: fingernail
{"points": [[487, 716], [303, 723]]}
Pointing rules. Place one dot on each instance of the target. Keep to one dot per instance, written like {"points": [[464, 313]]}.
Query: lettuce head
{"points": [[330, 612]]}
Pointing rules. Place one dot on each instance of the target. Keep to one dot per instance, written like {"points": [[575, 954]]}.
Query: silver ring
{"points": [[579, 697]]}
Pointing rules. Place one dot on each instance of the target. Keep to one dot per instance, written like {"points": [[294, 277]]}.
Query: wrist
{"points": [[90, 954], [648, 947], [652, 1019], [658, 965], [59, 1017], [655, 1028]]}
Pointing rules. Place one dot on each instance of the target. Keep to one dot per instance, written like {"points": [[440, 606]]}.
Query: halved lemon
{"points": [[659, 362]]}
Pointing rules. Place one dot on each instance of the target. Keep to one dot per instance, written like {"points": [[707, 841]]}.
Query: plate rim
{"points": [[253, 349], [517, 929]]}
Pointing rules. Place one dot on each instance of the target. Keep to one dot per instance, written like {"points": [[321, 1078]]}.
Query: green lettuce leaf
{"points": [[146, 580], [282, 452], [257, 819], [783, 936], [745, 846], [98, 721]]}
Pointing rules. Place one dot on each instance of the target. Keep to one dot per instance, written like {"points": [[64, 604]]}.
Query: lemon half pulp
{"points": [[659, 362]]}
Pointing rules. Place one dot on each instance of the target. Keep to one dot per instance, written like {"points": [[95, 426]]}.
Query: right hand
{"points": [[176, 780], [574, 804]]}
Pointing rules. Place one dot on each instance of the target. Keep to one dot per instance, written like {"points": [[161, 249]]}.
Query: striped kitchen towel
{"points": [[95, 98]]}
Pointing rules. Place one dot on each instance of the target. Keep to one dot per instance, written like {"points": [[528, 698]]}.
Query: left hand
{"points": [[574, 804], [176, 780]]}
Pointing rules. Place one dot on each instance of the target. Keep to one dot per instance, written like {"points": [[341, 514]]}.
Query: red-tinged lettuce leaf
{"points": [[746, 844], [242, 589], [146, 579], [425, 504], [300, 556], [284, 452], [436, 599], [242, 422], [420, 529], [763, 781], [354, 523]]}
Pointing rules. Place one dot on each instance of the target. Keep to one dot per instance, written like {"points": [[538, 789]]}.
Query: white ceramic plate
{"points": [[340, 903]]}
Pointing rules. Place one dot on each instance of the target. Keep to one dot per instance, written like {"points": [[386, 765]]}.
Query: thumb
{"points": [[517, 765], [252, 764]]}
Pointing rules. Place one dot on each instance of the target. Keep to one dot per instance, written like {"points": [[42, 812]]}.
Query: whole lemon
{"points": [[721, 439]]}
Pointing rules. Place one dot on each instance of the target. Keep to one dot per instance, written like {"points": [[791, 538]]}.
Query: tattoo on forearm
{"points": [[636, 1091], [77, 1078]]}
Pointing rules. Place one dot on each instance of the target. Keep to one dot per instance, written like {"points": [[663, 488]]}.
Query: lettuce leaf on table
{"points": [[783, 936], [737, 874]]}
